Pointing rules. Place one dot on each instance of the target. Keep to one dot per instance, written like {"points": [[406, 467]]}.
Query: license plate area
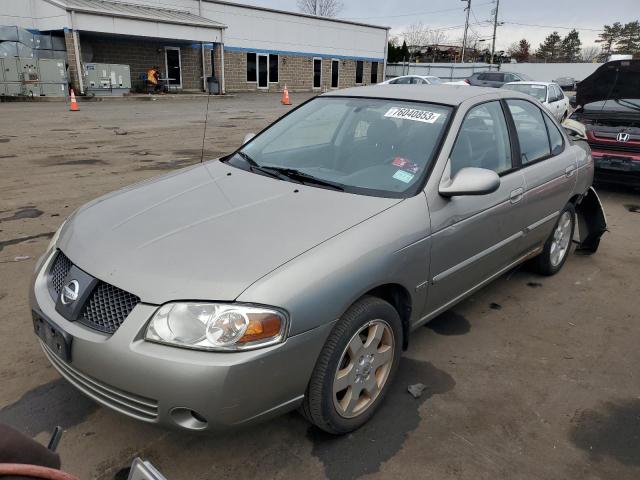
{"points": [[615, 163], [58, 341]]}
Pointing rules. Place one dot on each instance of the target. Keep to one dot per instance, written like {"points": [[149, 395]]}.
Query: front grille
{"points": [[615, 147], [58, 273], [130, 404], [107, 308]]}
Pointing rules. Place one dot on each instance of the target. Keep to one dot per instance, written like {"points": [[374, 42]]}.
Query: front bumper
{"points": [[161, 384]]}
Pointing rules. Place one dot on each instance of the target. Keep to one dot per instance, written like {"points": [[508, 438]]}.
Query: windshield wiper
{"points": [[303, 177], [254, 167]]}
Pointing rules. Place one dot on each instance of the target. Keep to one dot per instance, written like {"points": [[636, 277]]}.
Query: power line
{"points": [[554, 26]]}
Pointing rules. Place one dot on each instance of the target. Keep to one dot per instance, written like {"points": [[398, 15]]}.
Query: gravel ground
{"points": [[531, 378]]}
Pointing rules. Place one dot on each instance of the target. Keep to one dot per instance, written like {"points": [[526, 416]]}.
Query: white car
{"points": [[548, 93], [418, 80]]}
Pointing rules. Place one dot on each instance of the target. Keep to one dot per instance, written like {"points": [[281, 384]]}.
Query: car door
{"points": [[548, 167], [475, 237], [552, 100]]}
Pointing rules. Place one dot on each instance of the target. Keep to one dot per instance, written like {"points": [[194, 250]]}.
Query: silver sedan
{"points": [[291, 273]]}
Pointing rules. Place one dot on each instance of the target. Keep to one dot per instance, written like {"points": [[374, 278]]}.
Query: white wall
{"points": [[251, 28], [548, 72], [543, 72]]}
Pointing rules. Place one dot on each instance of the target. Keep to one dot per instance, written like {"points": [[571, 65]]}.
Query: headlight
{"points": [[216, 326]]}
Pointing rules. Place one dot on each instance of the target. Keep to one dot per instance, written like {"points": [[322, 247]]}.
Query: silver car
{"points": [[290, 274]]}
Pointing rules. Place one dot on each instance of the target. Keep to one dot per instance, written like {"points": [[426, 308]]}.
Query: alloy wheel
{"points": [[363, 369], [561, 239]]}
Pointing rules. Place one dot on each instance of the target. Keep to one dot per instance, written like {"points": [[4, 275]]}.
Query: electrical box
{"points": [[53, 78], [107, 79]]}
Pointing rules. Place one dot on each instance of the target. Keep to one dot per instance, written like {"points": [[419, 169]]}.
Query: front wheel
{"points": [[355, 368], [556, 248]]}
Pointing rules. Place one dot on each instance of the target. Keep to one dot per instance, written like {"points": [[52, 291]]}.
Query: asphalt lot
{"points": [[531, 378]]}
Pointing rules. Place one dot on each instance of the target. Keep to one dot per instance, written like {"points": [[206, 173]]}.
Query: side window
{"points": [[555, 137], [252, 75], [510, 78], [403, 81], [531, 129], [483, 140], [559, 93]]}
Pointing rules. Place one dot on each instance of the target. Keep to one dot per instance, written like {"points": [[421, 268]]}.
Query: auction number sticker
{"points": [[403, 176], [412, 114]]}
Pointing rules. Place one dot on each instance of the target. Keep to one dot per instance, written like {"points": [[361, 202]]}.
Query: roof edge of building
{"points": [[298, 14]]}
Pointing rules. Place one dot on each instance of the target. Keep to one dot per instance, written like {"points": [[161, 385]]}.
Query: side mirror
{"points": [[471, 181], [248, 137]]}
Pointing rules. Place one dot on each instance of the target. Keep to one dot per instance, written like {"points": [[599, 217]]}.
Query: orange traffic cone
{"points": [[74, 103], [285, 96]]}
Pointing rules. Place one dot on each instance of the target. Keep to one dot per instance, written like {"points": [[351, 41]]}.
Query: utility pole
{"points": [[495, 26], [466, 27]]}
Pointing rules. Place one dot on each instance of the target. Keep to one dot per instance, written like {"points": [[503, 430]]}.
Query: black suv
{"points": [[494, 79]]}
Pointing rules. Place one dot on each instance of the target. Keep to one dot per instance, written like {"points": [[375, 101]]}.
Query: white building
{"points": [[246, 47]]}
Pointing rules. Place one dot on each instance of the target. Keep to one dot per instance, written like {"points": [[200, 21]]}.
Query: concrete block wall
{"points": [[141, 54], [294, 71]]}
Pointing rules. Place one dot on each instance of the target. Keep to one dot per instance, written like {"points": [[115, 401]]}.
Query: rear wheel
{"points": [[556, 248], [355, 368]]}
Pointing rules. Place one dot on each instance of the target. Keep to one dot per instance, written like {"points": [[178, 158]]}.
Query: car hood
{"points": [[206, 232], [612, 81]]}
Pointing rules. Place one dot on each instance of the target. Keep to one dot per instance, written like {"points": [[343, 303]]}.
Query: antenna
{"points": [[204, 132]]}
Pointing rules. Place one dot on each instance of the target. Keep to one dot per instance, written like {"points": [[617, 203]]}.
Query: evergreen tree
{"points": [[629, 38], [549, 50], [608, 38], [570, 47], [404, 52]]}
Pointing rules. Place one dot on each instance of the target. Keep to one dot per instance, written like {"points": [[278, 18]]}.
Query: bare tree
{"points": [[416, 36], [436, 37], [322, 8], [591, 53]]}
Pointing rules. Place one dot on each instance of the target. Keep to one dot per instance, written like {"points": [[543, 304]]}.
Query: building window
{"points": [[335, 73], [252, 74], [317, 72], [359, 71], [273, 68], [374, 72]]}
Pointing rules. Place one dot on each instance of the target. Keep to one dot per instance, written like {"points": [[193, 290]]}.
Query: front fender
{"points": [[592, 222]]}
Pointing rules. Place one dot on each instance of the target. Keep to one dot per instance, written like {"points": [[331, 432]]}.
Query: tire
{"points": [[344, 361], [558, 245]]}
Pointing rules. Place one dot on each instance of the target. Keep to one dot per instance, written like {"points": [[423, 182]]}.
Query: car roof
{"points": [[531, 82], [444, 94]]}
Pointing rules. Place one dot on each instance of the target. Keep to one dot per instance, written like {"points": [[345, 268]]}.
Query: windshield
{"points": [[539, 92], [361, 145]]}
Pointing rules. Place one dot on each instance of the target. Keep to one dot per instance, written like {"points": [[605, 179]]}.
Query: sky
{"points": [[587, 16]]}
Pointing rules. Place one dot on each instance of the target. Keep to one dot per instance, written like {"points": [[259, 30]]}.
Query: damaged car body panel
{"points": [[592, 222], [609, 107]]}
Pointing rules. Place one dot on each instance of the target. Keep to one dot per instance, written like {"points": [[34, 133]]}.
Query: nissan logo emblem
{"points": [[70, 292], [623, 137]]}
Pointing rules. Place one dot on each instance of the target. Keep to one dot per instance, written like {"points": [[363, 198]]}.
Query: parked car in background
{"points": [[290, 273], [547, 93], [413, 80], [566, 83], [495, 79], [608, 104], [420, 80]]}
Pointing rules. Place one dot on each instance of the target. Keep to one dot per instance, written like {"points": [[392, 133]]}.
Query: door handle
{"points": [[516, 195], [568, 172]]}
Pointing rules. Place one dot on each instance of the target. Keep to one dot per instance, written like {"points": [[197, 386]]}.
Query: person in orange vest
{"points": [[152, 79]]}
